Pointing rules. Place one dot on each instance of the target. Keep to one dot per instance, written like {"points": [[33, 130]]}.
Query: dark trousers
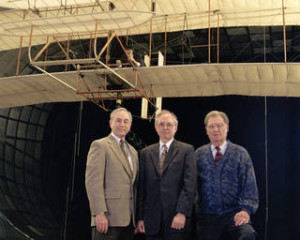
{"points": [[213, 227], [168, 236], [114, 233], [166, 233]]}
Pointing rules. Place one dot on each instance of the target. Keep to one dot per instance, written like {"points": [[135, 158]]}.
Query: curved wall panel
{"points": [[21, 187]]}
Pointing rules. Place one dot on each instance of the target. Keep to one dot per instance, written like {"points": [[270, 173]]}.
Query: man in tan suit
{"points": [[110, 179]]}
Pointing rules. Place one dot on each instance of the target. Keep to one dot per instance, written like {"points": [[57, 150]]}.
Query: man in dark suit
{"points": [[111, 173], [167, 184]]}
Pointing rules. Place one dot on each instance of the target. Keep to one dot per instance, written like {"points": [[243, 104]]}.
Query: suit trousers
{"points": [[114, 233], [166, 233], [169, 236], [215, 227]]}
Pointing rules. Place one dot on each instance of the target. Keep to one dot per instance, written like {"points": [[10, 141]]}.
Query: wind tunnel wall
{"points": [[22, 193]]}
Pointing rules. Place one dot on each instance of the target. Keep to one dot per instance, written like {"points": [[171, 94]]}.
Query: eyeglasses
{"points": [[216, 125], [168, 125], [125, 121]]}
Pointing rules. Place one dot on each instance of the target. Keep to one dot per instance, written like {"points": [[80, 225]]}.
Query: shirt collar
{"points": [[115, 137], [168, 144], [222, 147]]}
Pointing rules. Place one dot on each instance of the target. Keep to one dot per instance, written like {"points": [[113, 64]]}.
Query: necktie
{"points": [[122, 142], [162, 158], [218, 156]]}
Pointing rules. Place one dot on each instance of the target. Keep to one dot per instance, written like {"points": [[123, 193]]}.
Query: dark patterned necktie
{"points": [[122, 142], [218, 156], [162, 158]]}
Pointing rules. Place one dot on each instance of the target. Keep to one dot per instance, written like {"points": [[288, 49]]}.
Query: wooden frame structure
{"points": [[87, 85], [129, 88]]}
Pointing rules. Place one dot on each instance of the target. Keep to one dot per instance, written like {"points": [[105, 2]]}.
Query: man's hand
{"points": [[241, 217], [178, 222], [101, 223], [141, 226]]}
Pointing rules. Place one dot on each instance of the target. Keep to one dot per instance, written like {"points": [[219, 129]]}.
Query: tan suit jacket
{"points": [[110, 188]]}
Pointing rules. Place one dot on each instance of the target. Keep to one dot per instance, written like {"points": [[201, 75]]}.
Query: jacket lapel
{"points": [[154, 154], [116, 149], [135, 162], [172, 152]]}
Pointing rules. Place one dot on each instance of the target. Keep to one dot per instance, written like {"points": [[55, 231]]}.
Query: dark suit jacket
{"points": [[162, 197]]}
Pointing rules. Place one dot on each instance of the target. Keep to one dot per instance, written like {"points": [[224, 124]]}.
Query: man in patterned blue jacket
{"points": [[226, 186]]}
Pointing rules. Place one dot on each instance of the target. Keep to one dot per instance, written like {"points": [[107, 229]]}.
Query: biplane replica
{"points": [[32, 23], [41, 62]]}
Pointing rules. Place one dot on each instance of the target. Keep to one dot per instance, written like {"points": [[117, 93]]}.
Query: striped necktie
{"points": [[218, 156], [162, 158]]}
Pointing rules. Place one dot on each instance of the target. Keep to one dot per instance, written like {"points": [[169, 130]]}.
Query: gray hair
{"points": [[163, 112], [216, 113], [121, 109]]}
